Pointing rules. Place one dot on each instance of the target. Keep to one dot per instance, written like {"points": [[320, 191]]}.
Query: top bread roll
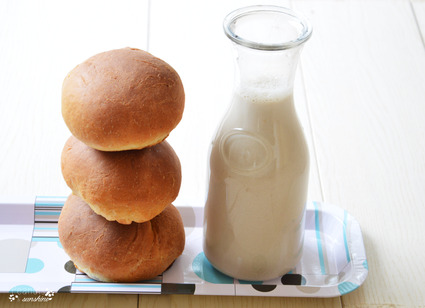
{"points": [[122, 99]]}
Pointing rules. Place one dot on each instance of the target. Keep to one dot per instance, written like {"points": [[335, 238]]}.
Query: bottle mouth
{"points": [[267, 27]]}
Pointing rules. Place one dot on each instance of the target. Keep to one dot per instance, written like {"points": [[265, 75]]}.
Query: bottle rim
{"points": [[231, 18]]}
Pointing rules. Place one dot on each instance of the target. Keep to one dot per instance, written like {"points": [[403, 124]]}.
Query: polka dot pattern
{"points": [[204, 270], [293, 279], [264, 288], [22, 289], [65, 289], [34, 265], [192, 273], [70, 267]]}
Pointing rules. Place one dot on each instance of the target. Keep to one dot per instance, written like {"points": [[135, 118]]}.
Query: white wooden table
{"points": [[360, 93]]}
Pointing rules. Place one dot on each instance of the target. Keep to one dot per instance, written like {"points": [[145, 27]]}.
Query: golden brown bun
{"points": [[125, 186], [122, 99], [112, 252]]}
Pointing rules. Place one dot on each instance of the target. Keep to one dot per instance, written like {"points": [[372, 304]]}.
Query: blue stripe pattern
{"points": [[49, 201], [43, 213], [111, 285], [39, 228], [319, 239], [344, 229], [347, 287], [52, 204], [45, 239], [83, 279], [78, 279]]}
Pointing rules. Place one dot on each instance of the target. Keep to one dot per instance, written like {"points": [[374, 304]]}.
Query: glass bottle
{"points": [[259, 160]]}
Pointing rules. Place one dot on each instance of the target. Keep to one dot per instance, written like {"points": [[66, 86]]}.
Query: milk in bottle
{"points": [[259, 161]]}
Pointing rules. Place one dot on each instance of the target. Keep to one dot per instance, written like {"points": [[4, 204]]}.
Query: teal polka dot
{"points": [[250, 282], [204, 270], [347, 287], [34, 265], [365, 265], [22, 289]]}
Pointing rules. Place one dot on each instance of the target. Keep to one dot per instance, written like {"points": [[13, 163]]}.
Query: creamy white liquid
{"points": [[259, 165]]}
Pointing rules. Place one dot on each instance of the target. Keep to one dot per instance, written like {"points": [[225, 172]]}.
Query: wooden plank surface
{"points": [[418, 7], [71, 301], [177, 301], [40, 42], [365, 85]]}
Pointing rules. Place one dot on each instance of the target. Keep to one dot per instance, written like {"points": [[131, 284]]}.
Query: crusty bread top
{"points": [[122, 99]]}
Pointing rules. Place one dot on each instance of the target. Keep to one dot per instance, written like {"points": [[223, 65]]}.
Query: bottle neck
{"points": [[265, 71], [268, 41]]}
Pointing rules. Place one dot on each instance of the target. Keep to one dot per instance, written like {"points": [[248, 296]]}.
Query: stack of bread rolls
{"points": [[119, 223]]}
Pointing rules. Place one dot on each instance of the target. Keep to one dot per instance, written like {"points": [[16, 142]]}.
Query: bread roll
{"points": [[112, 252], [125, 186], [122, 99]]}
